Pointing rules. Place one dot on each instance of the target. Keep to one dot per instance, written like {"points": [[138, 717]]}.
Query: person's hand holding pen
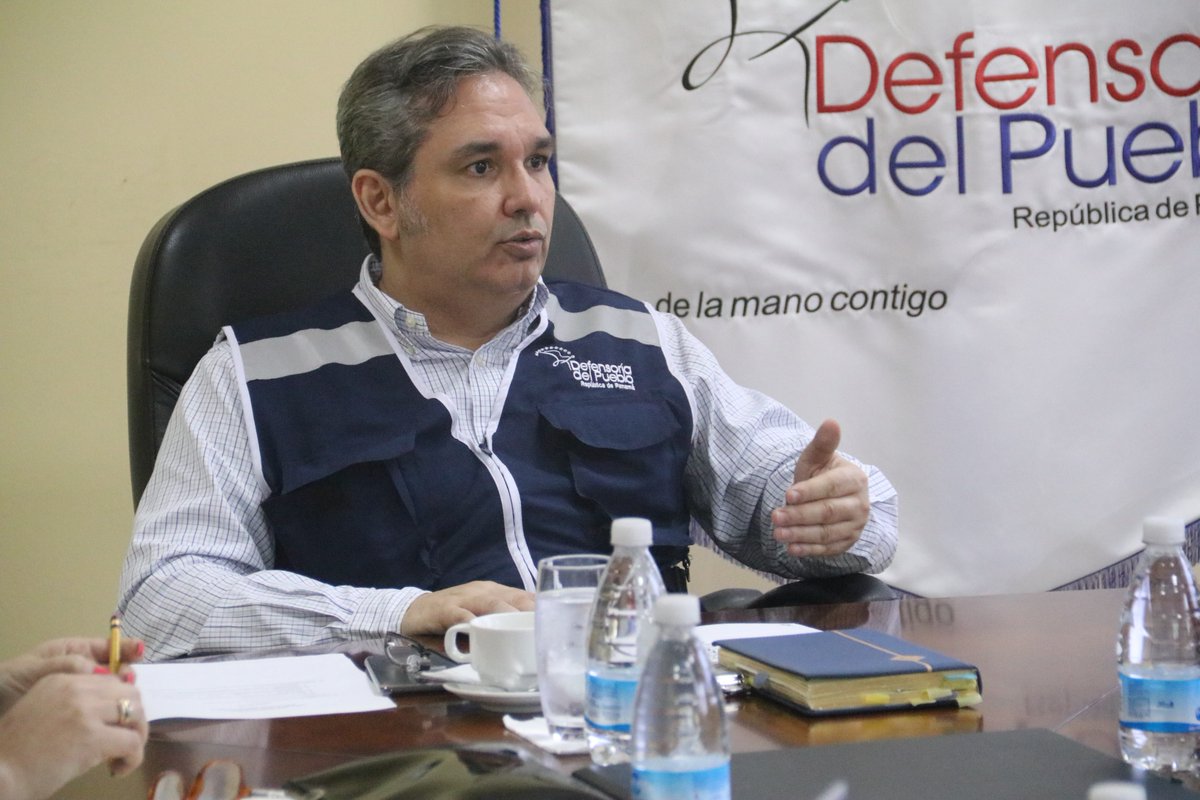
{"points": [[73, 655], [64, 712]]}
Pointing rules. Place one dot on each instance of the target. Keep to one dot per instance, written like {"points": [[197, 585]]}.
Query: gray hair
{"points": [[387, 105]]}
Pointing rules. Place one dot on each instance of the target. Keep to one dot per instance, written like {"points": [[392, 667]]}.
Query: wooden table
{"points": [[1047, 661]]}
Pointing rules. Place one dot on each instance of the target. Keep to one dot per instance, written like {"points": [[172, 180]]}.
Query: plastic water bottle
{"points": [[680, 742], [619, 639], [1158, 655]]}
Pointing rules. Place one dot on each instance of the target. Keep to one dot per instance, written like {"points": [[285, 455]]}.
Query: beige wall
{"points": [[111, 114]]}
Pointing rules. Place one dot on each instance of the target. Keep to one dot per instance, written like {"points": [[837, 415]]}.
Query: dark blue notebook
{"points": [[861, 669]]}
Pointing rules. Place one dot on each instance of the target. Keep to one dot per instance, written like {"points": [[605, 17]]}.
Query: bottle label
{"points": [[1160, 706], [610, 701], [711, 783]]}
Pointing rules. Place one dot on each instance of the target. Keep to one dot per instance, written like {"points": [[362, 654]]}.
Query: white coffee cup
{"points": [[503, 650]]}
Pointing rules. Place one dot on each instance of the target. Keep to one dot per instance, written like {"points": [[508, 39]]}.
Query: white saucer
{"points": [[495, 699]]}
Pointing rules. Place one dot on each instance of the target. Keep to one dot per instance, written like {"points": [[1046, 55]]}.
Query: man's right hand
{"points": [[436, 611]]}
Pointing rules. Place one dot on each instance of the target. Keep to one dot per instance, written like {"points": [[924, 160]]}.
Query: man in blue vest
{"points": [[401, 456]]}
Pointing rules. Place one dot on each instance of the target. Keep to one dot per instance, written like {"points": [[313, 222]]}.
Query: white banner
{"points": [[967, 230]]}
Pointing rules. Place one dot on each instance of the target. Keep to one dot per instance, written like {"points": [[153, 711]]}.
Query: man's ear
{"points": [[378, 203]]}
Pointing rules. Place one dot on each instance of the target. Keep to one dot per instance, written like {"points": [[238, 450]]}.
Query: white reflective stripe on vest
{"points": [[307, 350], [622, 323]]}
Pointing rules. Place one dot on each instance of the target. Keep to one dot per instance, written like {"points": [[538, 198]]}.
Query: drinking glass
{"points": [[566, 590]]}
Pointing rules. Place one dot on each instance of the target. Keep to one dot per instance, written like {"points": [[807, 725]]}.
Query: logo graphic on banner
{"points": [[965, 230], [915, 82]]}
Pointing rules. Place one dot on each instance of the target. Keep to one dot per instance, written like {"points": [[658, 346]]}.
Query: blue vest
{"points": [[369, 488]]}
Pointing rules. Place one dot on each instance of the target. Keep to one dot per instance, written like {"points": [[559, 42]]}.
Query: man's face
{"points": [[477, 212]]}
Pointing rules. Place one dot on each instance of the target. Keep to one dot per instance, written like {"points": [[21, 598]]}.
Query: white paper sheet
{"points": [[745, 630], [295, 686]]}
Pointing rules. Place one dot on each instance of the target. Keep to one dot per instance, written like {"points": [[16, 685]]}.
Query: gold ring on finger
{"points": [[124, 711]]}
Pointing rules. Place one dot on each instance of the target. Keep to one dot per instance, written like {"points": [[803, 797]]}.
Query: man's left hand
{"points": [[827, 505]]}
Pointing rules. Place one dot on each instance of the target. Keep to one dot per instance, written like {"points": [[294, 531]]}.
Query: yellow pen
{"points": [[114, 644]]}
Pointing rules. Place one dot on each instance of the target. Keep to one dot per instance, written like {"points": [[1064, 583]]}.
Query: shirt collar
{"points": [[410, 326]]}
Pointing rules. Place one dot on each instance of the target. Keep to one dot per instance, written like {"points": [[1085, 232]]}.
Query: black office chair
{"points": [[274, 240]]}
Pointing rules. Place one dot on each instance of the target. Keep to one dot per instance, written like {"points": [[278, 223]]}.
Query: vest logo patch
{"points": [[590, 374]]}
